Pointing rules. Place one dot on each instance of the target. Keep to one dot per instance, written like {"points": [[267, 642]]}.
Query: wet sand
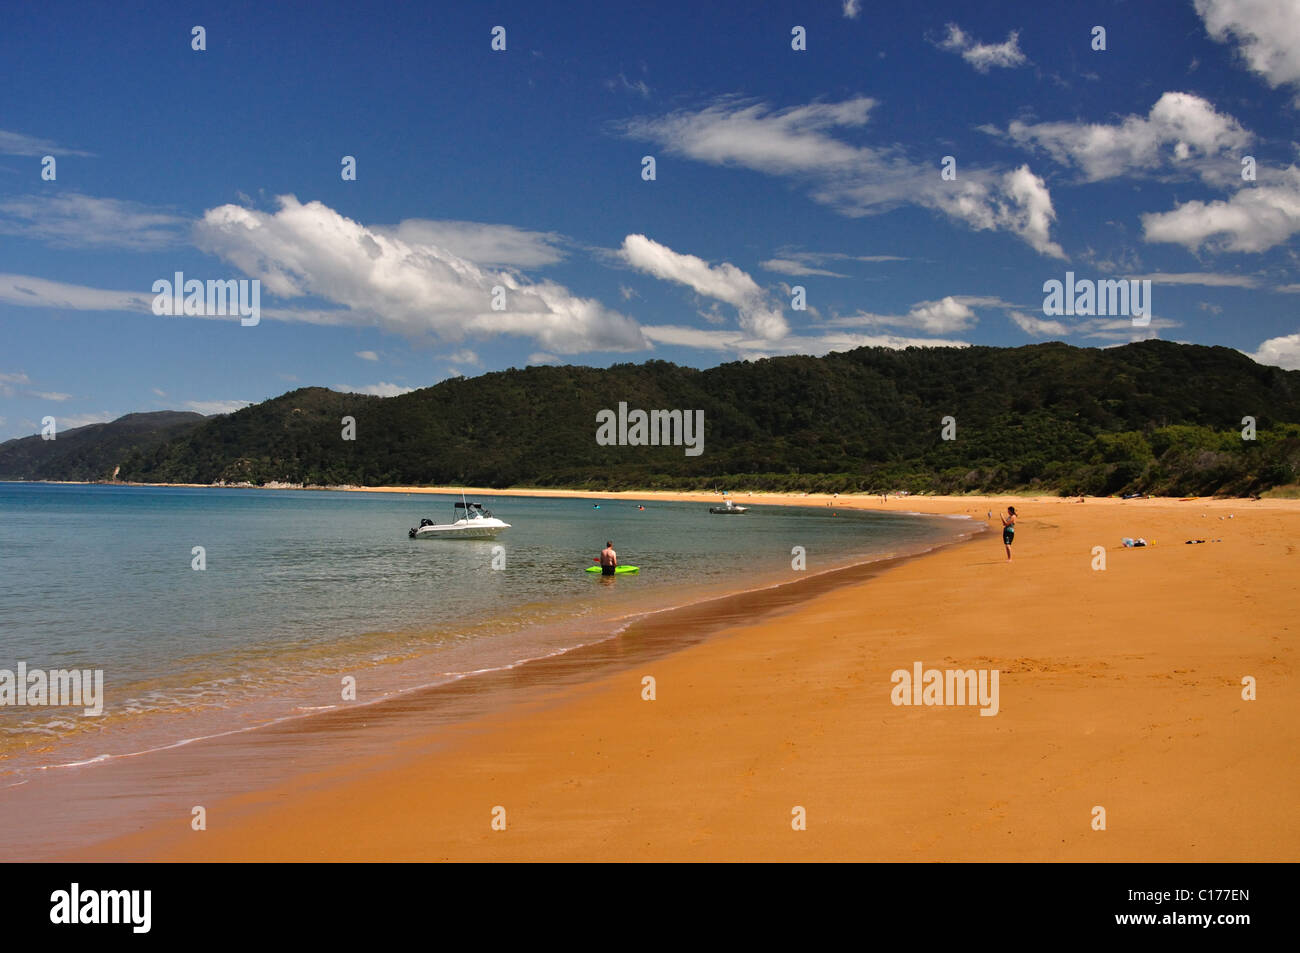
{"points": [[1119, 689]]}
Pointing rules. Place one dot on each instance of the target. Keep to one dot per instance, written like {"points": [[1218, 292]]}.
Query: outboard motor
{"points": [[411, 534]]}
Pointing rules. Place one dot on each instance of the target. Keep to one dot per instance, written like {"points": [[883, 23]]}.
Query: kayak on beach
{"points": [[618, 570]]}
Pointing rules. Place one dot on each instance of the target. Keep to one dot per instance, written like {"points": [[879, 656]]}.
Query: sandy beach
{"points": [[1119, 688]]}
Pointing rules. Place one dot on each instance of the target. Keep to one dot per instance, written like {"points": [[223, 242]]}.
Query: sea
{"points": [[215, 610]]}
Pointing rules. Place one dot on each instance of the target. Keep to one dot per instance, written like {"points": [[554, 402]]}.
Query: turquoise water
{"points": [[300, 586]]}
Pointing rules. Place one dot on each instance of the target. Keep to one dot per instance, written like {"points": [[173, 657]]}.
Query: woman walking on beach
{"points": [[1009, 530]]}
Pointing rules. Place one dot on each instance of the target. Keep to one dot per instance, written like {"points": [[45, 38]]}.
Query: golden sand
{"points": [[1119, 689]]}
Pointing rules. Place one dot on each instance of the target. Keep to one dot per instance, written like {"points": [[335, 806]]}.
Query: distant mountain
{"points": [[1152, 416], [91, 452]]}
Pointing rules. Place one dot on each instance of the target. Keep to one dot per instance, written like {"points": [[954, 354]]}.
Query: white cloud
{"points": [[72, 220], [72, 421], [943, 316], [17, 144], [852, 8], [29, 291], [1288, 289], [32, 292], [759, 315], [1207, 279], [621, 81], [464, 356], [804, 263], [1254, 219], [1282, 352], [12, 384], [1038, 327], [8, 382], [1267, 33], [854, 180], [160, 393], [376, 276], [329, 317], [1028, 212], [1182, 131], [784, 266], [748, 347], [1123, 329], [210, 407], [821, 257], [541, 357], [382, 389], [780, 142], [1016, 201], [984, 56], [368, 355], [500, 245]]}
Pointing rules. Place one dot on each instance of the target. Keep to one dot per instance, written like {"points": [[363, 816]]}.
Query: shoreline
{"points": [[650, 632], [778, 497], [755, 600], [402, 676], [728, 703]]}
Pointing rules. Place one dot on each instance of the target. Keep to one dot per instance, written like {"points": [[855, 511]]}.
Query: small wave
{"points": [[95, 760]]}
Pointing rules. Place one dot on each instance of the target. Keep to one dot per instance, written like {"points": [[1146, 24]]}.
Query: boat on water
{"points": [[468, 521], [728, 507]]}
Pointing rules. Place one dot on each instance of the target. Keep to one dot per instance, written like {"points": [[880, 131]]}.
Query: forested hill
{"points": [[90, 452], [1153, 416]]}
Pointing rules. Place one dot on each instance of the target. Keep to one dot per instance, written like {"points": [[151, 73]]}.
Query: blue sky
{"points": [[522, 168]]}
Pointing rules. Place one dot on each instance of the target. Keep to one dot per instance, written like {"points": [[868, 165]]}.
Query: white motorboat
{"points": [[469, 521], [729, 507]]}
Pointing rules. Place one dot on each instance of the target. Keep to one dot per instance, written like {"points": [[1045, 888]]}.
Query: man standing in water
{"points": [[608, 559]]}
